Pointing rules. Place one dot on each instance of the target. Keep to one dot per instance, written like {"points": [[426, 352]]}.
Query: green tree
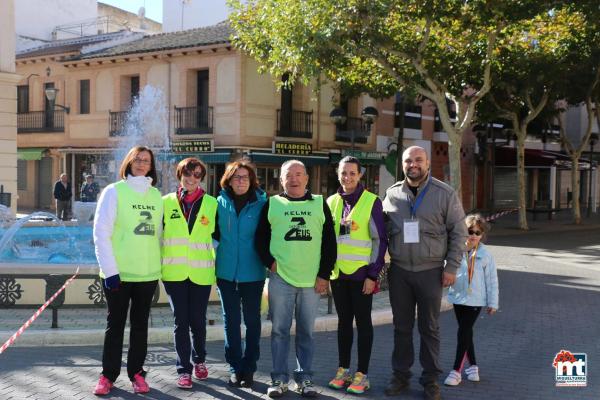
{"points": [[431, 48], [528, 76], [581, 87]]}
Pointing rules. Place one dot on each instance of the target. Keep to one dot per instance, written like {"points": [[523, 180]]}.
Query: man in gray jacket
{"points": [[427, 233]]}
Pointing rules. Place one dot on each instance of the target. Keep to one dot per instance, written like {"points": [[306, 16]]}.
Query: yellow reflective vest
{"points": [[354, 246], [186, 255], [135, 240]]}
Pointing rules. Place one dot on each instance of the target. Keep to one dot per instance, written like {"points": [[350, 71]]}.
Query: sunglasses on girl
{"points": [[196, 174], [474, 232]]}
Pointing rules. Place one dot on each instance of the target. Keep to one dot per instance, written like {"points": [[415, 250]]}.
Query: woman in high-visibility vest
{"points": [[127, 229], [362, 243], [188, 266], [240, 272]]}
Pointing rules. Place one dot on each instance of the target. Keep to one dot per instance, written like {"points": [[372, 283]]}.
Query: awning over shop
{"points": [[507, 157], [281, 158], [31, 153], [365, 157]]}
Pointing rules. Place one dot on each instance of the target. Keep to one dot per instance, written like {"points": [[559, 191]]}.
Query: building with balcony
{"points": [[219, 109]]}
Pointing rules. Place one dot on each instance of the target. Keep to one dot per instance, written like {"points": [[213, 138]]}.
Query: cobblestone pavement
{"points": [[549, 301]]}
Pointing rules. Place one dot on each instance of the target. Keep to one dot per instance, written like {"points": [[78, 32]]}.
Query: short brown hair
{"points": [[190, 164], [233, 167], [125, 169]]}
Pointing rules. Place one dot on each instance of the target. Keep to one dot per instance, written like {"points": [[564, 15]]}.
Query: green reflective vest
{"points": [[296, 235], [135, 242], [354, 247], [186, 255]]}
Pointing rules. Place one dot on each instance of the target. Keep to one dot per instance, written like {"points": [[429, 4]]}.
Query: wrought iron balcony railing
{"points": [[354, 128], [293, 123], [41, 121], [193, 120]]}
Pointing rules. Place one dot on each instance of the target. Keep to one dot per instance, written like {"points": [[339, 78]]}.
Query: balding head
{"points": [[415, 165]]}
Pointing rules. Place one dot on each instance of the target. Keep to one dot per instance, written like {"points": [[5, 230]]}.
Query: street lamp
{"points": [[338, 118], [51, 96], [593, 140]]}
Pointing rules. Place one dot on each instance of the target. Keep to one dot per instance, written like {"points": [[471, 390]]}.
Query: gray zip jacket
{"points": [[442, 229]]}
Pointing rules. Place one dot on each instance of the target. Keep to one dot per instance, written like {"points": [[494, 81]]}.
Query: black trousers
{"points": [[351, 304], [465, 350], [139, 294], [423, 291]]}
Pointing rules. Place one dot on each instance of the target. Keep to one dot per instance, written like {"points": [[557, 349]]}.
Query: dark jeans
{"points": [[189, 302], [63, 209], [248, 295], [140, 295], [351, 304], [466, 317], [423, 290]]}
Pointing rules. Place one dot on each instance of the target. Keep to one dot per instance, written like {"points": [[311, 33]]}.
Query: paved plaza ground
{"points": [[549, 300]]}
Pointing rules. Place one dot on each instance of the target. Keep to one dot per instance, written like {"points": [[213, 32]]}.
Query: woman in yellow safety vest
{"points": [[127, 228], [361, 246], [188, 266]]}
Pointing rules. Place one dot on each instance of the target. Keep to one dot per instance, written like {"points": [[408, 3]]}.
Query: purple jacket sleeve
{"points": [[379, 239]]}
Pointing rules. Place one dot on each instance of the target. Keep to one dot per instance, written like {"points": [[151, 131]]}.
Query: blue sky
{"points": [[153, 7]]}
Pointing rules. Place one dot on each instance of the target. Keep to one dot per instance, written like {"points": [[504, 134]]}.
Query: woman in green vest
{"points": [[188, 266], [127, 228], [361, 246]]}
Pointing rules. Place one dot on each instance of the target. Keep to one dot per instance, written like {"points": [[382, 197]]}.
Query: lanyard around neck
{"points": [[414, 206]]}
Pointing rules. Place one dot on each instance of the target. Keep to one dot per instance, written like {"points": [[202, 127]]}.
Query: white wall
{"points": [[187, 14], [37, 18]]}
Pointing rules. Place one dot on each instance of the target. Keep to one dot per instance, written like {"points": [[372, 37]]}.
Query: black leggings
{"points": [[351, 304], [466, 317]]}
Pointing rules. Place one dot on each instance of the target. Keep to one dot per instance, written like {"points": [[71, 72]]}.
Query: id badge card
{"points": [[411, 231], [345, 228]]}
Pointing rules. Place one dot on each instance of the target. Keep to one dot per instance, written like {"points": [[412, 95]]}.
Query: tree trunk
{"points": [[521, 184], [454, 158], [575, 183]]}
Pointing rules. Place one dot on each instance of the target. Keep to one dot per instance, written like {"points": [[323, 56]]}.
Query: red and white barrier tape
{"points": [[26, 325], [501, 213]]}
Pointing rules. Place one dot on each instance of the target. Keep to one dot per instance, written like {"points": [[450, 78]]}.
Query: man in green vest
{"points": [[295, 239]]}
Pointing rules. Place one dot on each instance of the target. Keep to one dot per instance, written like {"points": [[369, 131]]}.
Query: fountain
{"points": [[41, 248]]}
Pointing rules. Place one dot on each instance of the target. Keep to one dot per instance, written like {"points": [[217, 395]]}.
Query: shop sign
{"points": [[292, 148], [192, 146], [364, 155]]}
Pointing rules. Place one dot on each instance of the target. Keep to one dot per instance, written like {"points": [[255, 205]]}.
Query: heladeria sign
{"points": [[192, 146], [292, 148]]}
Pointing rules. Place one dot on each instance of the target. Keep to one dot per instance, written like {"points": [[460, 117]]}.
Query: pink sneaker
{"points": [[184, 381], [139, 384], [103, 386], [200, 371]]}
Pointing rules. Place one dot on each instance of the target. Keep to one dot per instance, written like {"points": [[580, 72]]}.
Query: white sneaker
{"points": [[472, 373], [453, 378]]}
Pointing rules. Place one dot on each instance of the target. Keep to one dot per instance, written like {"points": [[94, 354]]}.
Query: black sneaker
{"points": [[431, 391], [247, 379], [396, 386]]}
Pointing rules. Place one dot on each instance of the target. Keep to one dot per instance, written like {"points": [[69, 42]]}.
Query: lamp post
{"points": [[593, 139], [51, 96], [401, 106]]}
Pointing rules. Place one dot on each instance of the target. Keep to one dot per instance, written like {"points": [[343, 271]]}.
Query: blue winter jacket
{"points": [[237, 261], [484, 284]]}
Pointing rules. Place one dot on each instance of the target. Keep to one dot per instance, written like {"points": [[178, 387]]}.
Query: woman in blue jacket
{"points": [[240, 273]]}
